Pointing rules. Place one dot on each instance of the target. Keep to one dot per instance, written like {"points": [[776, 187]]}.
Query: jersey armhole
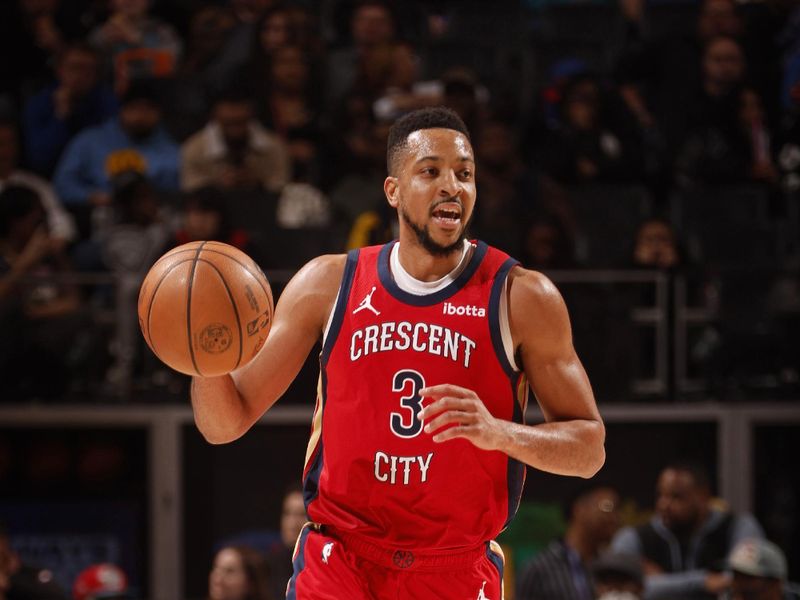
{"points": [[330, 316], [340, 304], [505, 328], [499, 325]]}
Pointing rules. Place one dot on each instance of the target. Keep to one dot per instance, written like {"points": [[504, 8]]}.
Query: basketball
{"points": [[205, 308]]}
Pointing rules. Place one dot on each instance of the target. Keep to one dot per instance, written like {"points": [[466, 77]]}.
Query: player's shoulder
{"points": [[322, 272], [537, 312], [528, 286], [310, 294]]}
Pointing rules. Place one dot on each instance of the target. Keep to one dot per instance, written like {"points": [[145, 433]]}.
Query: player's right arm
{"points": [[226, 407]]}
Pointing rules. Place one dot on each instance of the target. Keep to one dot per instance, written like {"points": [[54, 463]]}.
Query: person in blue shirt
{"points": [[74, 101], [134, 140]]}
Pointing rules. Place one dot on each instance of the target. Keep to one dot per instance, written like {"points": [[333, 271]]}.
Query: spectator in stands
{"points": [[359, 192], [284, 25], [562, 569], [129, 246], [759, 572], [139, 231], [279, 557], [32, 34], [373, 30], [547, 243], [19, 581], [289, 103], [206, 215], [618, 577], [233, 151], [656, 246], [585, 147], [138, 45], [104, 581], [507, 188], [135, 139], [733, 146], [41, 317], [659, 77], [234, 54], [685, 545], [75, 101], [60, 222], [465, 94], [398, 90], [197, 81], [239, 573]]}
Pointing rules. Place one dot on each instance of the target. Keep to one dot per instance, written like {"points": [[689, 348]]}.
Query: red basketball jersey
{"points": [[370, 469]]}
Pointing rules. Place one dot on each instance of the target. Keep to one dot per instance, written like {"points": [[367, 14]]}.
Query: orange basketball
{"points": [[205, 308]]}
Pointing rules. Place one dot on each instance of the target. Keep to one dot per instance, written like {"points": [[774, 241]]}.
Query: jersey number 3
{"points": [[407, 425]]}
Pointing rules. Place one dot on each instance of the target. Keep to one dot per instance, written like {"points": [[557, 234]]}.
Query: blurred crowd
{"points": [[660, 136], [689, 547]]}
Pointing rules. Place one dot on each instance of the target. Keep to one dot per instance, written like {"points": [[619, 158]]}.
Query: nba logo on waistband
{"points": [[326, 552]]}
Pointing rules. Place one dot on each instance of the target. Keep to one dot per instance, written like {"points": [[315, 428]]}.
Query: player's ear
{"points": [[390, 188]]}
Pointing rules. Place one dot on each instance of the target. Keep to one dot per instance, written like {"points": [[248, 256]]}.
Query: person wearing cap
{"points": [[686, 543], [618, 576], [103, 581], [759, 571], [561, 571]]}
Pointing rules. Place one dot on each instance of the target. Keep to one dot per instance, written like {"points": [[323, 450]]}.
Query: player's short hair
{"points": [[436, 117]]}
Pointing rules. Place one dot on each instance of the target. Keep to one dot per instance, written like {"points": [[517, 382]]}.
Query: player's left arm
{"points": [[571, 440]]}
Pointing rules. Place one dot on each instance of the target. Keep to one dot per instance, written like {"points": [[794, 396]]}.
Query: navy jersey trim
{"points": [[496, 560], [311, 480], [515, 473], [341, 305], [494, 316], [299, 563], [386, 279]]}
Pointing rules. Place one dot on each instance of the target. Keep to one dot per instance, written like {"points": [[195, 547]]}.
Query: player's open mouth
{"points": [[447, 215]]}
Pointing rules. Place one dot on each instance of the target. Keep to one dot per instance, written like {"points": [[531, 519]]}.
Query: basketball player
{"points": [[417, 452]]}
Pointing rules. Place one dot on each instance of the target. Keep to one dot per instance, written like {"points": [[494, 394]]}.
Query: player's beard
{"points": [[427, 242]]}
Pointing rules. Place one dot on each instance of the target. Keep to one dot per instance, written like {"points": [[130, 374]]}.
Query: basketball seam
{"points": [[264, 288], [152, 299], [189, 307], [235, 309]]}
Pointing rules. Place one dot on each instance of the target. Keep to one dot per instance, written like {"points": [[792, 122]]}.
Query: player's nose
{"points": [[450, 185]]}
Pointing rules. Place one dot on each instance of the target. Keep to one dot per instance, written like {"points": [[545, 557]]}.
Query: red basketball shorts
{"points": [[329, 565]]}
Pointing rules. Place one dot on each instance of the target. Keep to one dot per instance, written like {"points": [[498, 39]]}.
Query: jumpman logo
{"points": [[481, 595], [326, 552], [367, 303]]}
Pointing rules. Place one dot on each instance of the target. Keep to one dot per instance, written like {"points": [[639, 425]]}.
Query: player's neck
{"points": [[420, 264]]}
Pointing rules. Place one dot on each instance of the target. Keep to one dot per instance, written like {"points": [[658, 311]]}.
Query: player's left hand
{"points": [[464, 412]]}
